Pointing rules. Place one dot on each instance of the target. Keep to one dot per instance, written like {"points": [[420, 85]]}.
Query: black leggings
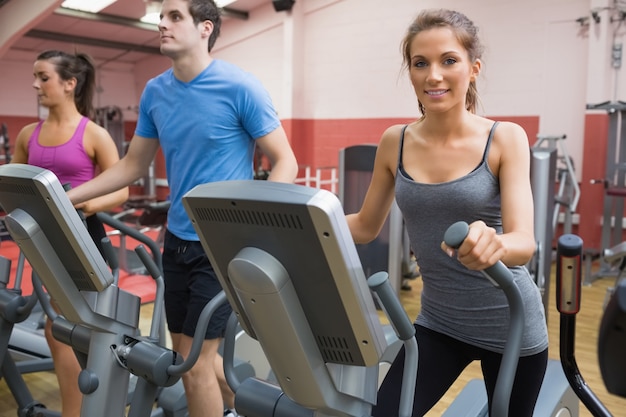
{"points": [[441, 361], [96, 231]]}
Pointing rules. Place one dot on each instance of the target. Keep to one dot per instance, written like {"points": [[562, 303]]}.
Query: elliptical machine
{"points": [[98, 319], [291, 272], [612, 334]]}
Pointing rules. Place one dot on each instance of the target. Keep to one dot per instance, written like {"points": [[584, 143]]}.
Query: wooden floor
{"points": [[587, 324], [43, 385]]}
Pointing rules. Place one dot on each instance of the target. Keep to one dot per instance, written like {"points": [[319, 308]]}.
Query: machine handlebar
{"points": [[501, 277], [568, 284]]}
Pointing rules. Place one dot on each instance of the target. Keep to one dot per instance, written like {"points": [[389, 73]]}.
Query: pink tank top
{"points": [[69, 161]]}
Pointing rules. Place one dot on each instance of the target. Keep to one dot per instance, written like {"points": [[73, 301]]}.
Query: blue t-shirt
{"points": [[206, 129]]}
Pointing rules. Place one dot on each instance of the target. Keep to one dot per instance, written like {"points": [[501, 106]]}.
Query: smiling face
{"points": [[441, 70]]}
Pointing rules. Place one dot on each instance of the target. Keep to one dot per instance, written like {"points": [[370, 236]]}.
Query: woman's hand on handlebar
{"points": [[481, 248], [83, 208]]}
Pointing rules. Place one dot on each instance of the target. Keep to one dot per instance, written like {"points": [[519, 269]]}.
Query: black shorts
{"points": [[190, 284]]}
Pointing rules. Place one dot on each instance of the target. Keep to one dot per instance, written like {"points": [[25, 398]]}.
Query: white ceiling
{"points": [[114, 34]]}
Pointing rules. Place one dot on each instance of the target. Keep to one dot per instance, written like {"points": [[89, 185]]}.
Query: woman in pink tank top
{"points": [[74, 148]]}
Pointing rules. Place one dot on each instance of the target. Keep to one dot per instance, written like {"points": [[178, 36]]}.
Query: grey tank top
{"points": [[456, 301]]}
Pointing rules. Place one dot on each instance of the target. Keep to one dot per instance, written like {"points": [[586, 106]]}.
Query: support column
{"points": [[18, 17]]}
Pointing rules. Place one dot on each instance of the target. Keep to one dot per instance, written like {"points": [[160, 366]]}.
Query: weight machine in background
{"points": [[568, 194], [5, 143], [550, 165], [542, 178], [390, 250], [142, 210], [112, 119], [614, 183]]}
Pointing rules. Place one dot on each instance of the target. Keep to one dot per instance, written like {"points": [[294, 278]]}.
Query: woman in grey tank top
{"points": [[453, 165]]}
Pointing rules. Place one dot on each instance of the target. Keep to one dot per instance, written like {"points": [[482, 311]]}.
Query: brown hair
{"points": [[79, 66], [466, 33], [201, 10]]}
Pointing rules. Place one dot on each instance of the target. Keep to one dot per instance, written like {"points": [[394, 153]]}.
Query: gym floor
{"points": [[587, 324], [44, 389]]}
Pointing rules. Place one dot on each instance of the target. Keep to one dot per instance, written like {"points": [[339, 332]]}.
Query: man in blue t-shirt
{"points": [[207, 116]]}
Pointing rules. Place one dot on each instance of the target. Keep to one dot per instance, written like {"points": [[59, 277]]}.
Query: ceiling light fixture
{"points": [[153, 12], [93, 6]]}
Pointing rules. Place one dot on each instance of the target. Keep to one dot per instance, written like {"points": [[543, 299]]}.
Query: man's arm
{"points": [[276, 147], [126, 171], [100, 145]]}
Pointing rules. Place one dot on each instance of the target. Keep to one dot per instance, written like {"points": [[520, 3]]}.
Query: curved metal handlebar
{"points": [[502, 277], [379, 283], [135, 234], [569, 255], [198, 337], [498, 274]]}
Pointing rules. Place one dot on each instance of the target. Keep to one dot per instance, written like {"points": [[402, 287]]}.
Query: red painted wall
{"points": [[14, 125], [317, 143], [591, 202]]}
